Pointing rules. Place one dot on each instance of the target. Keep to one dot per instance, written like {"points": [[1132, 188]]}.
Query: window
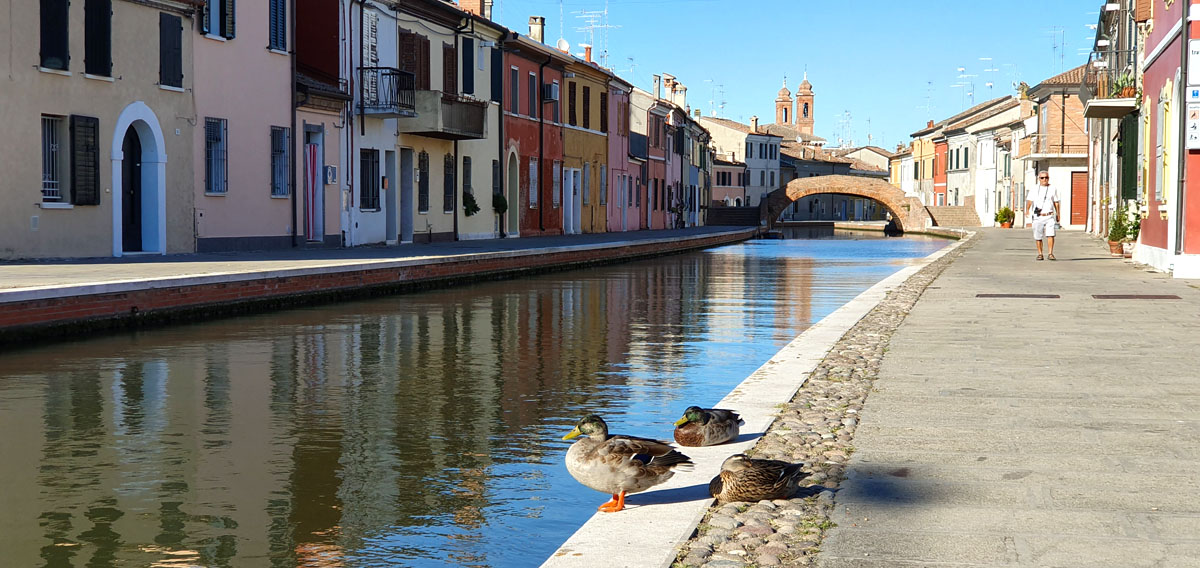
{"points": [[423, 182], [52, 158], [85, 160], [414, 57], [604, 113], [556, 107], [629, 191], [654, 192], [448, 183], [278, 37], [497, 76], [534, 96], [368, 189], [603, 184], [533, 183], [97, 37], [587, 178], [170, 50], [496, 177], [514, 100], [965, 156], [571, 119], [762, 177], [587, 107], [449, 68], [556, 175], [772, 179], [466, 175], [217, 18], [468, 70], [749, 150], [805, 110], [280, 161], [55, 50], [216, 175]]}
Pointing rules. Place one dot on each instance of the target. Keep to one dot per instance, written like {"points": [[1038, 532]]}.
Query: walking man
{"points": [[1043, 200]]}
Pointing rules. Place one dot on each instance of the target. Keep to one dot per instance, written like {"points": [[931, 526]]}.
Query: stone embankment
{"points": [[817, 428]]}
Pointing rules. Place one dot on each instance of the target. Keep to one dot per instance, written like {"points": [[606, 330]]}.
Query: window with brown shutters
{"points": [[604, 112], [170, 50], [55, 50], [571, 104], [97, 37], [85, 160], [449, 68], [423, 182], [448, 184], [587, 106], [414, 57]]}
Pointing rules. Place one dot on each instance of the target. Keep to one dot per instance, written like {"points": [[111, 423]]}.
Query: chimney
{"points": [[537, 28], [754, 124], [929, 124], [680, 95], [487, 9], [587, 53], [471, 6], [657, 87], [697, 113]]}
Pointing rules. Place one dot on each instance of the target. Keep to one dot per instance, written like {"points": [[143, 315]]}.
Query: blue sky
{"points": [[878, 68]]}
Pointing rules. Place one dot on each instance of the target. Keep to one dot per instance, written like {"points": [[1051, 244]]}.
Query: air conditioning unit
{"points": [[550, 92]]}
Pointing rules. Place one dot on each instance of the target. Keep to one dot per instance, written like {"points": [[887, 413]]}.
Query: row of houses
{"points": [[1117, 134], [323, 123]]}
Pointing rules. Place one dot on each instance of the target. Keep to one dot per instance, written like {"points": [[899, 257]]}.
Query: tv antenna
{"points": [[596, 20]]}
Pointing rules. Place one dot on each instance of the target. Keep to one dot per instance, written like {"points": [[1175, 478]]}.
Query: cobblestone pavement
{"points": [[816, 428]]}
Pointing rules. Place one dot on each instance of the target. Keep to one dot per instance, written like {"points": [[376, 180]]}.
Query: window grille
{"points": [[466, 175], [448, 184], [603, 184], [587, 182], [280, 180], [556, 174], [51, 158], [423, 182], [368, 193], [533, 183], [216, 173]]}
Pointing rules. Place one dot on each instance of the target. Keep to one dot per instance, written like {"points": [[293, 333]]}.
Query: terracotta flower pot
{"points": [[1115, 248], [1006, 225]]}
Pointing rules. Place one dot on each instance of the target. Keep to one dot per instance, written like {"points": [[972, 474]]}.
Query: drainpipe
{"points": [[541, 144], [500, 123], [362, 8], [1184, 37], [292, 141], [457, 45]]}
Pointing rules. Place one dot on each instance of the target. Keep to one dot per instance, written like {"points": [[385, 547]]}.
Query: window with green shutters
{"points": [[170, 50]]}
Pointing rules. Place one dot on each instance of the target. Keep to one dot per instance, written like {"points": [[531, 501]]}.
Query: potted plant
{"points": [[1123, 86], [1005, 217], [1118, 230], [470, 206], [500, 205]]}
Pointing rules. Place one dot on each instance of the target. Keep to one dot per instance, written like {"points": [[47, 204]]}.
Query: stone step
{"points": [[954, 216]]}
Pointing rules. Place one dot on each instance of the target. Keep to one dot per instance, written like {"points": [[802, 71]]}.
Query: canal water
{"points": [[412, 430]]}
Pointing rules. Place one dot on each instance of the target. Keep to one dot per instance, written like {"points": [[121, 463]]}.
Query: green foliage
{"points": [[1124, 224], [470, 206], [1005, 215], [499, 203]]}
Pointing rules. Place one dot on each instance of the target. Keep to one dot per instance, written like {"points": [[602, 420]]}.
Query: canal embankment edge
{"points": [[659, 526], [72, 309]]}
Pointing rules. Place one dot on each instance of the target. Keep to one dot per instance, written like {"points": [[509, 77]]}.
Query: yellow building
{"points": [[585, 148]]}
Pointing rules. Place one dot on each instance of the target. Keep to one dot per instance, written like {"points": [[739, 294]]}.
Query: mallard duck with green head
{"points": [[744, 478], [707, 426], [619, 465]]}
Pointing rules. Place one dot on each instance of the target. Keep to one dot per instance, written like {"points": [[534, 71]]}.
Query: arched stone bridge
{"points": [[908, 212]]}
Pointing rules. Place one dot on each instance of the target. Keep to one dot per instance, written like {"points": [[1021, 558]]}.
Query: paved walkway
{"points": [[1031, 431], [74, 272]]}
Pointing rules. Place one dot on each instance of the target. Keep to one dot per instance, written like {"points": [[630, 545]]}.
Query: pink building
{"points": [[622, 176], [244, 183]]}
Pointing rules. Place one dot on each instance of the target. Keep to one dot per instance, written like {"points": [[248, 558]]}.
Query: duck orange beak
{"points": [[681, 421]]}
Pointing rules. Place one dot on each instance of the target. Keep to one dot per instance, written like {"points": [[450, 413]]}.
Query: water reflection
{"points": [[411, 430]]}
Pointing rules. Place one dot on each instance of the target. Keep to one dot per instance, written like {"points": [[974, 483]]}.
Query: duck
{"points": [[744, 478], [619, 465], [707, 426]]}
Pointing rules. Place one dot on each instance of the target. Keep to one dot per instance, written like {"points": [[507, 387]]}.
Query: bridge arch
{"points": [[908, 212]]}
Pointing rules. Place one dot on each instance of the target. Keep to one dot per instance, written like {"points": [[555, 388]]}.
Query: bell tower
{"points": [[783, 105], [804, 106]]}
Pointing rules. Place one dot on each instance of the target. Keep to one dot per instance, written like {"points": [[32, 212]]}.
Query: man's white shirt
{"points": [[1044, 197]]}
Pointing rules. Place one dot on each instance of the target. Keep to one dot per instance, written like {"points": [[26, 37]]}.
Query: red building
{"points": [[533, 147], [940, 150]]}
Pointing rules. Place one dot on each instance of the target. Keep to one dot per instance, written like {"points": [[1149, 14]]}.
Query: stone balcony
{"points": [[447, 116]]}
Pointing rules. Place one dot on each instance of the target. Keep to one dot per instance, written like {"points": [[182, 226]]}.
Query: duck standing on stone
{"points": [[707, 426], [619, 465], [744, 478]]}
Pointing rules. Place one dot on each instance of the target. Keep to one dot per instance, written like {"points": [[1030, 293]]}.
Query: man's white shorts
{"points": [[1043, 226]]}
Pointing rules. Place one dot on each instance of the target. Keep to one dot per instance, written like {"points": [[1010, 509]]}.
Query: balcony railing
{"points": [[1070, 143], [447, 116], [1109, 86], [387, 92]]}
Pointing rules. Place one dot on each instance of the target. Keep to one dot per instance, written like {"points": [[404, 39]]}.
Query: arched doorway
{"points": [[131, 193], [139, 180], [514, 196]]}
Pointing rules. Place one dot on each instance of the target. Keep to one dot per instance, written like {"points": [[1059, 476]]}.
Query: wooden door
{"points": [[1079, 194]]}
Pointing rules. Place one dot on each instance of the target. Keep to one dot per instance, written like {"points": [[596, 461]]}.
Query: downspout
{"points": [[292, 141], [362, 124], [1184, 38], [457, 178], [500, 126], [541, 145]]}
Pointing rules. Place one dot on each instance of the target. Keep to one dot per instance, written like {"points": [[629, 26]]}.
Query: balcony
{"points": [[447, 116], [1109, 87], [387, 92], [1066, 145]]}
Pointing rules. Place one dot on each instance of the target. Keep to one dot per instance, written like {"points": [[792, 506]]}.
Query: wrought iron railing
{"points": [[387, 90], [1064, 143], [1109, 75]]}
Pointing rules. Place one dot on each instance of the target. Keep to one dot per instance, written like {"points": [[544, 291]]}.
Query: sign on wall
{"points": [[1193, 126]]}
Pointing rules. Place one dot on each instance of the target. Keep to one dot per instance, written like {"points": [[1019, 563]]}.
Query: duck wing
{"points": [[726, 415], [644, 452]]}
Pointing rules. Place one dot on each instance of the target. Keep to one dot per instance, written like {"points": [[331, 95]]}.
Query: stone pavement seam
{"points": [[816, 428]]}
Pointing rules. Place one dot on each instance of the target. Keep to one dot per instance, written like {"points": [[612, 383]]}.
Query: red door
{"points": [[1079, 205]]}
